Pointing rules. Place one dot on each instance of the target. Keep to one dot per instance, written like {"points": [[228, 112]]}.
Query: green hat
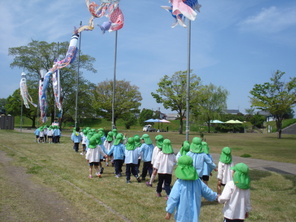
{"points": [[90, 134], [205, 147], [241, 176], [225, 156], [137, 140], [130, 145], [114, 132], [185, 148], [109, 136], [185, 169], [167, 147], [159, 141], [146, 138], [92, 143], [195, 146], [118, 138], [98, 138]]}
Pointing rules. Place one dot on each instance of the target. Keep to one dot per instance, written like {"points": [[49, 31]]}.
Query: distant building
{"points": [[232, 111], [172, 116]]}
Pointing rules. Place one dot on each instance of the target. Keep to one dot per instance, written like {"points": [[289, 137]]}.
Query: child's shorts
{"points": [[233, 220], [93, 164], [205, 178]]}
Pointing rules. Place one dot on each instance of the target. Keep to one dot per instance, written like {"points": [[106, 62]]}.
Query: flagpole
{"points": [[188, 82], [114, 82], [77, 80]]}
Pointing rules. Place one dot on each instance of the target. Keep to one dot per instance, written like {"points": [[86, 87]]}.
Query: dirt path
{"points": [[22, 199]]}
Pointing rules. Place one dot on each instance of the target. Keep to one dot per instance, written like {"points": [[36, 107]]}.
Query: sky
{"points": [[235, 44]]}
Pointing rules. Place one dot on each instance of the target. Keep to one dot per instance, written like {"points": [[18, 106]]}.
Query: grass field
{"points": [[57, 166]]}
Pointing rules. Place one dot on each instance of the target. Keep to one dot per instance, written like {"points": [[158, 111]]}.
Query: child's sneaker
{"points": [[139, 179], [148, 184], [128, 181], [158, 194]]}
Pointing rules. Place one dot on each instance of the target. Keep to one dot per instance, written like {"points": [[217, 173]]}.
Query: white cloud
{"points": [[270, 20]]}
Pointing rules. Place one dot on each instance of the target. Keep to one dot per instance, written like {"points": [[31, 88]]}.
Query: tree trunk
{"points": [[279, 127], [181, 126], [209, 127]]}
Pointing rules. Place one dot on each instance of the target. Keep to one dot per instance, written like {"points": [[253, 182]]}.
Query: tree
{"points": [[172, 93], [276, 97], [210, 103], [3, 102], [14, 103], [144, 115], [38, 55], [127, 99]]}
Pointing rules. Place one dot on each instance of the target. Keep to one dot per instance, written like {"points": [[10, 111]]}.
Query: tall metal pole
{"points": [[188, 82], [77, 80], [114, 82], [21, 120]]}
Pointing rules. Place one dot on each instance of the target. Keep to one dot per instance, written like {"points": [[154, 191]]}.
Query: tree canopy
{"points": [[38, 55], [127, 100], [210, 103], [172, 92], [277, 97]]}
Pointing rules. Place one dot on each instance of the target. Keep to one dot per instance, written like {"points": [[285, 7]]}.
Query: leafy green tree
{"points": [[276, 97], [3, 102], [129, 120], [15, 107], [145, 115], [210, 103], [172, 93], [40, 55], [127, 99]]}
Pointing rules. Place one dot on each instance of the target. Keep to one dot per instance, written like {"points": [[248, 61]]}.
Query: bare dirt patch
{"points": [[23, 199]]}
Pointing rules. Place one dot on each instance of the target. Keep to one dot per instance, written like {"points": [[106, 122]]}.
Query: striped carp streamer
{"points": [[109, 9], [24, 92]]}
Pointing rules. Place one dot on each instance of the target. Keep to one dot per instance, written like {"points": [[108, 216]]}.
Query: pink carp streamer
{"points": [[181, 9], [109, 9], [24, 92]]}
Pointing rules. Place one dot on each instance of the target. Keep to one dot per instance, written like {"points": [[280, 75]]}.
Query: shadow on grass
{"points": [[292, 189], [256, 175]]}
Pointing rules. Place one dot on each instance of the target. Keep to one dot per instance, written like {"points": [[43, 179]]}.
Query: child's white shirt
{"points": [[224, 172], [164, 163], [236, 201]]}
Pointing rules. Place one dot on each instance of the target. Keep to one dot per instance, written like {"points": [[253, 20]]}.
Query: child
{"points": [[207, 171], [146, 150], [36, 132], [49, 134], [164, 164], [76, 139], [83, 141], [41, 135], [236, 195], [224, 168], [93, 156], [117, 150], [199, 158], [107, 144], [138, 144], [159, 141], [184, 149], [131, 160], [186, 193]]}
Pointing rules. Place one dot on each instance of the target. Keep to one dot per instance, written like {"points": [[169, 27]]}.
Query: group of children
{"points": [[194, 168], [47, 134]]}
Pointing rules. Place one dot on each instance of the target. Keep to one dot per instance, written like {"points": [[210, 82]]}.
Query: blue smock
{"points": [[146, 151], [118, 151], [185, 198], [198, 162]]}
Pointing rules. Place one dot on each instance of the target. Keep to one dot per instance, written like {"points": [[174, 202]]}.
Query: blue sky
{"points": [[235, 43]]}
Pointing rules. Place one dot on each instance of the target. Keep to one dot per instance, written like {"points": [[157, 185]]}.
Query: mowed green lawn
{"points": [[110, 199]]}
